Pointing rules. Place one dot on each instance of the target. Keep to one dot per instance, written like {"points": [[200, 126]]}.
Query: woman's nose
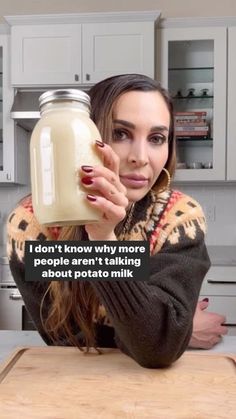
{"points": [[138, 154]]}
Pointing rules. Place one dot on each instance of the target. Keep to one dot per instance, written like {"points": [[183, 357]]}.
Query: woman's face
{"points": [[141, 123]]}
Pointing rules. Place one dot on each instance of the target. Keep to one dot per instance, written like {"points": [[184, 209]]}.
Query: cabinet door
{"points": [[46, 54], [7, 151], [193, 68], [14, 162], [231, 136], [117, 48]]}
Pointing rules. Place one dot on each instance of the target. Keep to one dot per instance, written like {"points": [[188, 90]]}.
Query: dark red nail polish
{"points": [[87, 169], [87, 181], [100, 143], [206, 299], [91, 198]]}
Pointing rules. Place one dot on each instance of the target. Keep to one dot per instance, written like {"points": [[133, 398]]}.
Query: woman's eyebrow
{"points": [[123, 122], [130, 125], [160, 128]]}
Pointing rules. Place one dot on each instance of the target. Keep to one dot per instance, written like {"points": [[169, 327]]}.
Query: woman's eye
{"points": [[119, 134], [158, 139]]}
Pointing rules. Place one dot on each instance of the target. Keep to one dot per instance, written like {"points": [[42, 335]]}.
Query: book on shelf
{"points": [[190, 134], [192, 131], [191, 117], [192, 128], [192, 113], [187, 136], [190, 122]]}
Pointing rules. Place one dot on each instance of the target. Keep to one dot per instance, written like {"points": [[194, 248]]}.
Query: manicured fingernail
{"points": [[91, 198], [87, 181], [100, 143], [206, 299], [87, 169]]}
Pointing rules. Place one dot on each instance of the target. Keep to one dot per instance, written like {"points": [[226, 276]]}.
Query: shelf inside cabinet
{"points": [[190, 68], [192, 97], [191, 74], [194, 143]]}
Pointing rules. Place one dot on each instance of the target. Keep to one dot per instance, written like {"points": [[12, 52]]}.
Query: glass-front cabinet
{"points": [[1, 119], [231, 121], [193, 68]]}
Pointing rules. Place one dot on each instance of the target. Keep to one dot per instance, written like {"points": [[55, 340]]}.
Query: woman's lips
{"points": [[134, 181]]}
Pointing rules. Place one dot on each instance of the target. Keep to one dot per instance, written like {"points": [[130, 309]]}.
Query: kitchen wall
{"points": [[169, 8], [219, 205]]}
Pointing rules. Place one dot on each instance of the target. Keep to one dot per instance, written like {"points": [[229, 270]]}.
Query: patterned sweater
{"points": [[149, 320]]}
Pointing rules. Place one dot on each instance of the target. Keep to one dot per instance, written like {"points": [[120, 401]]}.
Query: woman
{"points": [[151, 321]]}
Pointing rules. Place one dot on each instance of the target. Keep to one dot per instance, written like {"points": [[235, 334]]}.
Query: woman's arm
{"points": [[153, 319]]}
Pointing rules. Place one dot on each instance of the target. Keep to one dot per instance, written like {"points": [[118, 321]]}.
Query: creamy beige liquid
{"points": [[62, 141]]}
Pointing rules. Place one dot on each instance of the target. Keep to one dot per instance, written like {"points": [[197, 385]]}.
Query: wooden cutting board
{"points": [[63, 383]]}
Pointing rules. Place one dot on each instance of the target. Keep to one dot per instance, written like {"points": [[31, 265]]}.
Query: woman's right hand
{"points": [[208, 327], [106, 193]]}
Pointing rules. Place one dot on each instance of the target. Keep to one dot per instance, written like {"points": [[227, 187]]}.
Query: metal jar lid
{"points": [[64, 94]]}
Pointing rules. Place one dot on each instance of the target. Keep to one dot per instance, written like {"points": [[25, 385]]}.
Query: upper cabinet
{"points": [[46, 54], [117, 48], [95, 47], [192, 64]]}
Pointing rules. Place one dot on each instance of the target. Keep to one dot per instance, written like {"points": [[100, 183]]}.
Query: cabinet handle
{"points": [[229, 324], [87, 77], [213, 281], [76, 77], [15, 296], [8, 176]]}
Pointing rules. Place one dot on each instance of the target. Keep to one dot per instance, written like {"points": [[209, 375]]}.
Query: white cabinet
{"points": [[46, 54], [117, 48], [220, 287], [13, 155], [192, 64], [96, 47]]}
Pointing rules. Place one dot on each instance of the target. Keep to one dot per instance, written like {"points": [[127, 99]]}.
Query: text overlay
{"points": [[85, 260]]}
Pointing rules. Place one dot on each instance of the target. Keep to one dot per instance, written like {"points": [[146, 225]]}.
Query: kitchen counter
{"points": [[11, 339], [222, 255]]}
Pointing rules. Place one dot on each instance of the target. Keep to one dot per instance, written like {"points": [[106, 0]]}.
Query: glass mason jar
{"points": [[62, 141]]}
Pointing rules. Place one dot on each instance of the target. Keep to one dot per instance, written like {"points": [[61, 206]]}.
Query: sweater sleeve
{"points": [[153, 318]]}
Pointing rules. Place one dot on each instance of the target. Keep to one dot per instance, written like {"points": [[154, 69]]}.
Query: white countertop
{"points": [[222, 255], [11, 339]]}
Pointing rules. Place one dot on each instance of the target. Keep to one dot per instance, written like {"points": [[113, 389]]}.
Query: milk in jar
{"points": [[62, 141]]}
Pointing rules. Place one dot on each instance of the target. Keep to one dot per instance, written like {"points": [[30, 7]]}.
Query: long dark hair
{"points": [[75, 302]]}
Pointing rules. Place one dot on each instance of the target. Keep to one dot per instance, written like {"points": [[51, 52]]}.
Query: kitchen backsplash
{"points": [[219, 205], [218, 202]]}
